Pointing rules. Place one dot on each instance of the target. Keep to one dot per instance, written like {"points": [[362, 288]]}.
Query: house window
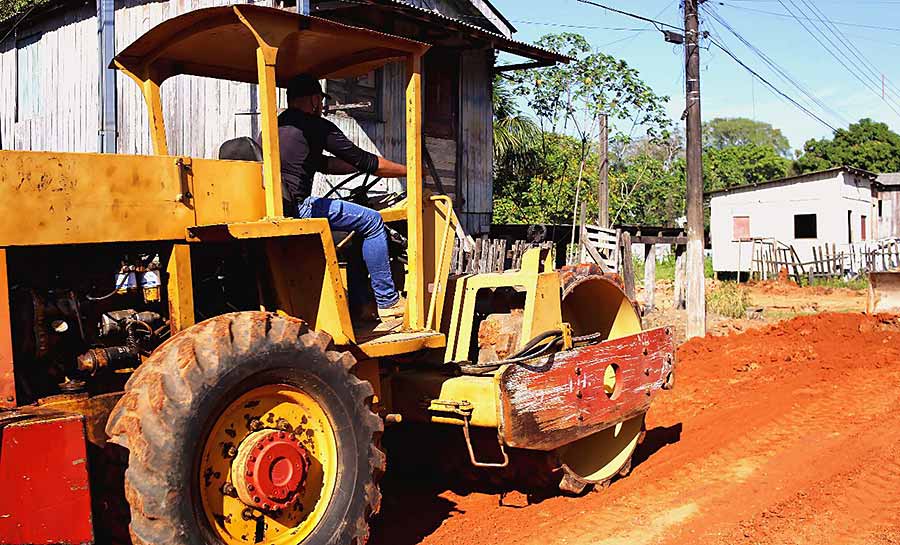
{"points": [[28, 81], [441, 93], [880, 208], [805, 226], [862, 228], [740, 227], [358, 97]]}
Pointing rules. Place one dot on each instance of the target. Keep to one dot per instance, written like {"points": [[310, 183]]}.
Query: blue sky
{"points": [[728, 90]]}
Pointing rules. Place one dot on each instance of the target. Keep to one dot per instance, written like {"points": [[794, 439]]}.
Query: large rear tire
{"points": [[197, 413]]}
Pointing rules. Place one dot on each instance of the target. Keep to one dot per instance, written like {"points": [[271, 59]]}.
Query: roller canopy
{"points": [[221, 42]]}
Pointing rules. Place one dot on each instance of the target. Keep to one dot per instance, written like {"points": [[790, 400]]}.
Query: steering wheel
{"points": [[360, 194]]}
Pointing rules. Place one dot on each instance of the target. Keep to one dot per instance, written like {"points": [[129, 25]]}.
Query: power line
{"points": [[854, 71], [859, 55], [585, 27], [629, 14], [776, 14], [771, 86], [778, 69]]}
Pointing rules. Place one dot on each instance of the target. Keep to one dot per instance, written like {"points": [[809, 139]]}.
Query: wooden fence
{"points": [[492, 255], [770, 257]]}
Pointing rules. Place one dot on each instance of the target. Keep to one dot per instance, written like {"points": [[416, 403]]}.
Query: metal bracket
{"points": [[464, 409]]}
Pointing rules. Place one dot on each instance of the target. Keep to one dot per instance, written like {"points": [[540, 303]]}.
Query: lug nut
{"points": [[255, 424], [232, 452], [229, 490]]}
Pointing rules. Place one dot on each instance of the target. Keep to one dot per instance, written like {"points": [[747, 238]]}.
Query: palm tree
{"points": [[515, 134]]}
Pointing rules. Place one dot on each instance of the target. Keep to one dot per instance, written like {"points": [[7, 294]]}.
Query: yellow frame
{"points": [[270, 32]]}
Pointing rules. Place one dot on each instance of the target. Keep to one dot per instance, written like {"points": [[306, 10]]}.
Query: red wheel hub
{"points": [[270, 469]]}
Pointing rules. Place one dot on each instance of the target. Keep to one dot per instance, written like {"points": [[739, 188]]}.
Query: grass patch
{"points": [[857, 284], [665, 269], [729, 299]]}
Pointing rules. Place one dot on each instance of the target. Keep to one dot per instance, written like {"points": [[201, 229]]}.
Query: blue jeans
{"points": [[346, 216]]}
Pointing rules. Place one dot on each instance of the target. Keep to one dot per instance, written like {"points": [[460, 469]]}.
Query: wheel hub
{"points": [[270, 470]]}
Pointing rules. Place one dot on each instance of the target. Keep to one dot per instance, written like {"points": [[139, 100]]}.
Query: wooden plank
{"points": [[568, 400], [627, 265], [649, 278], [678, 299]]}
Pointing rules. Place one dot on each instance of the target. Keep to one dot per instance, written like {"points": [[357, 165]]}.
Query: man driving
{"points": [[304, 135]]}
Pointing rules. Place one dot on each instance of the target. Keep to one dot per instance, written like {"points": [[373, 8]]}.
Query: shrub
{"points": [[729, 299]]}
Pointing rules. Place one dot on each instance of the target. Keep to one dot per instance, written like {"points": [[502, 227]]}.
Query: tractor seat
{"points": [[242, 148]]}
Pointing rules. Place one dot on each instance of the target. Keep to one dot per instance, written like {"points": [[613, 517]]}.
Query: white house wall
{"points": [[772, 207]]}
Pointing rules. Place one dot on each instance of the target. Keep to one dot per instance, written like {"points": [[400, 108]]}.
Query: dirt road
{"points": [[786, 434]]}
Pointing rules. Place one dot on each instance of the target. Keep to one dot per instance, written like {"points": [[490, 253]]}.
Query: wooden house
{"points": [[58, 93]]}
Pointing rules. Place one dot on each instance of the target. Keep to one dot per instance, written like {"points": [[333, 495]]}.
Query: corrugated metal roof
{"points": [[889, 179], [500, 41]]}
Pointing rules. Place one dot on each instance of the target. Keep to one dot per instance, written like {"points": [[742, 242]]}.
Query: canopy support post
{"points": [[415, 286]]}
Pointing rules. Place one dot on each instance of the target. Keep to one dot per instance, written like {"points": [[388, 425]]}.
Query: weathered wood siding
{"points": [[64, 84], [200, 113], [476, 141]]}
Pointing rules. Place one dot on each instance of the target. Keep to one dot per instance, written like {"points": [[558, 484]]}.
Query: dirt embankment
{"points": [[789, 433]]}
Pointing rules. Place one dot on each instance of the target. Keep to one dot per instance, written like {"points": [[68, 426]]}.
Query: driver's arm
{"points": [[349, 158]]}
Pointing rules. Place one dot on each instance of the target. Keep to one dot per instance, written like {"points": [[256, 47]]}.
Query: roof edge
{"points": [[852, 170]]}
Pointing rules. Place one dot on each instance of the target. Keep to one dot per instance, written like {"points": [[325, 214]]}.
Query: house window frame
{"points": [[734, 228], [352, 84], [815, 227]]}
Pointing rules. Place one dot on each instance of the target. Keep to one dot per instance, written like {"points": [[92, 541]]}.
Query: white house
{"points": [[839, 206]]}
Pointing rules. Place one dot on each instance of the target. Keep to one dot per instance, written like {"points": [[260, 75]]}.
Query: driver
{"points": [[303, 135]]}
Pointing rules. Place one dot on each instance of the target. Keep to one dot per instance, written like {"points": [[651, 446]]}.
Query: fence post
{"points": [[649, 277], [678, 299], [627, 265]]}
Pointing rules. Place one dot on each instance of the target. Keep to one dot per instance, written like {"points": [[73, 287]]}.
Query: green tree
{"points": [[551, 181], [868, 145], [722, 132], [645, 190], [515, 134], [9, 8], [740, 165]]}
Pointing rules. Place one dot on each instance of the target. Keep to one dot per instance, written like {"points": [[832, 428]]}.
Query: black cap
{"points": [[304, 85]]}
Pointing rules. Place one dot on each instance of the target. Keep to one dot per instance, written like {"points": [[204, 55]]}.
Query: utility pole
{"points": [[603, 183], [696, 293]]}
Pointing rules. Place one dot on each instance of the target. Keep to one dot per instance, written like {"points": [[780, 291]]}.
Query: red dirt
{"points": [[784, 434]]}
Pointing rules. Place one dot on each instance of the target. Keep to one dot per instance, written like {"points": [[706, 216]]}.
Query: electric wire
{"points": [[847, 66], [851, 47], [813, 100], [771, 86], [786, 16], [629, 14]]}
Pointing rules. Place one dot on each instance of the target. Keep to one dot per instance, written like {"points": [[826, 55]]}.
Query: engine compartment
{"points": [[84, 317]]}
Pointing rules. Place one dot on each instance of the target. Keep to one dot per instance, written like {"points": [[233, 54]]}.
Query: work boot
{"points": [[397, 310]]}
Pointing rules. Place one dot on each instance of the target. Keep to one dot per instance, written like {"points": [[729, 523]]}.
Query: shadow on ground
{"points": [[424, 464]]}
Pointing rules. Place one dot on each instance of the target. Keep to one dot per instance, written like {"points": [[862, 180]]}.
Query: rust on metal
{"points": [[498, 335], [568, 400]]}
